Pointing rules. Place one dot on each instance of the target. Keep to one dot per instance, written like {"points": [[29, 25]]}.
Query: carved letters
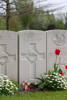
{"points": [[4, 56], [33, 57], [59, 39]]}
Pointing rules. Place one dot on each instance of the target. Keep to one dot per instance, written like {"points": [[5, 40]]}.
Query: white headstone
{"points": [[56, 39], [8, 54], [32, 54]]}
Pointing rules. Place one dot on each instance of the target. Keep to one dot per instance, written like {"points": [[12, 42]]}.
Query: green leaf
{"points": [[55, 67], [60, 70], [49, 72], [41, 78]]}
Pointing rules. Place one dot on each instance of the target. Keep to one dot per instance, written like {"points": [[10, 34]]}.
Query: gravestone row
{"points": [[27, 54]]}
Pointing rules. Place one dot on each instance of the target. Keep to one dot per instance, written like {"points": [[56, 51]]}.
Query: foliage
{"points": [[14, 23], [60, 24], [2, 23], [16, 83], [43, 21], [6, 7], [54, 80], [66, 21], [6, 86], [22, 14], [51, 21], [34, 18], [25, 10]]}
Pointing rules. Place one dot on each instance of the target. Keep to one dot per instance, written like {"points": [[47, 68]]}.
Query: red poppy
{"points": [[57, 51], [66, 67], [27, 89], [25, 83], [61, 73]]}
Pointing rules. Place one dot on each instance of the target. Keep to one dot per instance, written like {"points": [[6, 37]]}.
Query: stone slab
{"points": [[56, 39], [8, 54], [32, 54]]}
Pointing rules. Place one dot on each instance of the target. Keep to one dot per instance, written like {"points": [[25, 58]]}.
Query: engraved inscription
{"points": [[32, 57], [4, 57], [59, 39]]}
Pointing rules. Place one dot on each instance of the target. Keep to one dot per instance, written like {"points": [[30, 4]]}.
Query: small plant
{"points": [[26, 86], [7, 87], [56, 66], [54, 80]]}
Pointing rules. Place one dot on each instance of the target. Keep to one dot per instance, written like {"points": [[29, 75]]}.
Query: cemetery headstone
{"points": [[32, 54]]}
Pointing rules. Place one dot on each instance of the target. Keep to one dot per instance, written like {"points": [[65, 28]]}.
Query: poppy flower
{"points": [[57, 51], [27, 89], [61, 73], [25, 83], [66, 67]]}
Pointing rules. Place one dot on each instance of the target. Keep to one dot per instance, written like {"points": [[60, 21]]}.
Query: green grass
{"points": [[60, 95]]}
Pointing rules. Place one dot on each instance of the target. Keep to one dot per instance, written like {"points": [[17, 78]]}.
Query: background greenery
{"points": [[26, 16]]}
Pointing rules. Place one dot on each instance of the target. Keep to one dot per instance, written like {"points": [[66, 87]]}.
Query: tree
{"points": [[59, 24], [7, 7], [25, 12], [51, 20], [43, 21], [14, 23], [33, 15], [2, 23], [66, 21]]}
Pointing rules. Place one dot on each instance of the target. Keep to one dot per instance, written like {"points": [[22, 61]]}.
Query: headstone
{"points": [[56, 39], [32, 54], [8, 54]]}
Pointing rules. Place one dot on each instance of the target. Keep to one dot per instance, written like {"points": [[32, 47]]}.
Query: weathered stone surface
{"points": [[8, 54], [32, 54], [56, 39], [36, 51]]}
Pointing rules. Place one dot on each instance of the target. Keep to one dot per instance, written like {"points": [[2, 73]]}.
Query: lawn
{"points": [[60, 95]]}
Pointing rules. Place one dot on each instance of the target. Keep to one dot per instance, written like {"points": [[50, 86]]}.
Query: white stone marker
{"points": [[32, 54], [57, 39], [8, 54]]}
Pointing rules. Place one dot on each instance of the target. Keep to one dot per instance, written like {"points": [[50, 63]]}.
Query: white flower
{"points": [[7, 85]]}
